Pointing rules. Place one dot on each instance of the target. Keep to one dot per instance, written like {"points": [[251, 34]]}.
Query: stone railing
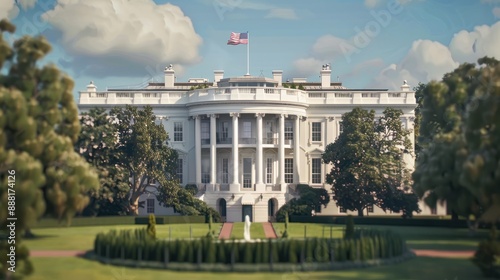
{"points": [[246, 94]]}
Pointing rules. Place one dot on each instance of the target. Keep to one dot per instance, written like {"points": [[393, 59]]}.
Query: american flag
{"points": [[238, 38]]}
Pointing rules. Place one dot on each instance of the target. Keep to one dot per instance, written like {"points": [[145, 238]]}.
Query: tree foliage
{"points": [[309, 199], [97, 144], [459, 162], [38, 128], [367, 161], [144, 153]]}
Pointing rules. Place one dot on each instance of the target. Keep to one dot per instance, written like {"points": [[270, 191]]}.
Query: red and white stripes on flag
{"points": [[238, 38]]}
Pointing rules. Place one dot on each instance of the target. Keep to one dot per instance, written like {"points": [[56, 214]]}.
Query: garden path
{"points": [[225, 232]]}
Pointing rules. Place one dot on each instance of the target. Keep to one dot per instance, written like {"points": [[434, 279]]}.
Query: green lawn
{"points": [[82, 238], [417, 237], [256, 231], [418, 268]]}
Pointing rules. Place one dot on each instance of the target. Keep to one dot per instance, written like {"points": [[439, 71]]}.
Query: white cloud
{"points": [[27, 4], [8, 9], [374, 3], [305, 67], [496, 12], [469, 46], [123, 37], [282, 13], [426, 60], [324, 50]]}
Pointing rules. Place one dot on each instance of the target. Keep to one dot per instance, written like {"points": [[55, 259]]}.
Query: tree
{"points": [[308, 199], [481, 129], [38, 128], [367, 160], [455, 136], [144, 153], [97, 144], [419, 96]]}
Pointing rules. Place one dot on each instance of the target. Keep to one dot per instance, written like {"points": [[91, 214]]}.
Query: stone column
{"points": [[197, 147], [235, 185], [281, 148], [213, 150], [296, 150], [259, 186]]}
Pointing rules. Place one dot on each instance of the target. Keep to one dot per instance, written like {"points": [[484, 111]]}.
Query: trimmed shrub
{"points": [[349, 227], [138, 245], [487, 256], [152, 226]]}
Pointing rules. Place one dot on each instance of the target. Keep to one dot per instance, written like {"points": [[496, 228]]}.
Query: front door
{"points": [[247, 210]]}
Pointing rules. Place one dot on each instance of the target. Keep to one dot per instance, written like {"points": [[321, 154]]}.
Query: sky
{"points": [[368, 43]]}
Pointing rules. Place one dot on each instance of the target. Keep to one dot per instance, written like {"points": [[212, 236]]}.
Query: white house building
{"points": [[246, 142]]}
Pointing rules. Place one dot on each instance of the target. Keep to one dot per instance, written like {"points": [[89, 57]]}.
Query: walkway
{"points": [[269, 230], [229, 227], [56, 253], [444, 254], [225, 232]]}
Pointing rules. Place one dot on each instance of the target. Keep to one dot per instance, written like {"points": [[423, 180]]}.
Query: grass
{"points": [[82, 238], [418, 268], [430, 238], [256, 231]]}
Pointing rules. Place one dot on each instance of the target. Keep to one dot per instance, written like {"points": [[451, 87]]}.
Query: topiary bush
{"points": [[487, 256], [349, 227], [151, 229], [285, 232], [139, 246]]}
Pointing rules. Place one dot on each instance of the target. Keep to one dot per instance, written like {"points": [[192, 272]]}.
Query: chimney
{"points": [[278, 76], [325, 75], [91, 87], [169, 76], [405, 86], [218, 75]]}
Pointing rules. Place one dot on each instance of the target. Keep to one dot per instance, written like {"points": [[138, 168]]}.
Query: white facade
{"points": [[246, 142]]}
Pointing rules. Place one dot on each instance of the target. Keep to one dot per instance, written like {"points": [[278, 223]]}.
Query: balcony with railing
{"points": [[247, 94]]}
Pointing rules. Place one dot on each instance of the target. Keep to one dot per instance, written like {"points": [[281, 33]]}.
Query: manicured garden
{"points": [[82, 238]]}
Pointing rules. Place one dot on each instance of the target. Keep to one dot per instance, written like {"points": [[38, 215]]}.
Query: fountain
{"points": [[246, 231]]}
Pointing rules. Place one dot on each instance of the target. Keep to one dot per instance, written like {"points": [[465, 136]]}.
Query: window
{"points": [[316, 131], [341, 128], [289, 170], [342, 210], [269, 170], [225, 171], [269, 133], [247, 172], [150, 205], [369, 208], [316, 171], [179, 170], [224, 133], [247, 130], [205, 132], [288, 131], [177, 131]]}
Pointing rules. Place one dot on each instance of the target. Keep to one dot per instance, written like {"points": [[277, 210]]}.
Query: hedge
{"points": [[387, 221], [137, 245], [172, 220], [118, 220]]}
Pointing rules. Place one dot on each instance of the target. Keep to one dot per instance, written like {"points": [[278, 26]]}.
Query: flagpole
{"points": [[248, 54]]}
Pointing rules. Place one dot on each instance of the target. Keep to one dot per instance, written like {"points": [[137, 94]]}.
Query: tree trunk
{"points": [[28, 234], [360, 212], [134, 204], [454, 216]]}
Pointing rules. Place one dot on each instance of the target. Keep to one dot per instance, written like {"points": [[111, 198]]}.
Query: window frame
{"points": [[289, 170], [316, 175], [316, 132], [178, 133], [150, 205], [180, 167]]}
